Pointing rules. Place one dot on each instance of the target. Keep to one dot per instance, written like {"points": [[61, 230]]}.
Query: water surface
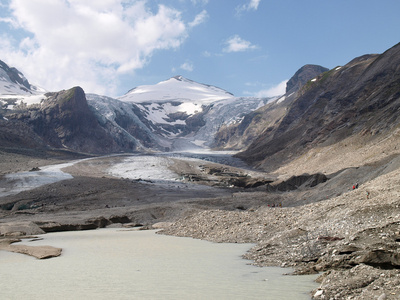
{"points": [[121, 264]]}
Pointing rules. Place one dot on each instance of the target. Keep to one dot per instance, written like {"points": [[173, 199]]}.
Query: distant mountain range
{"points": [[175, 114], [320, 107]]}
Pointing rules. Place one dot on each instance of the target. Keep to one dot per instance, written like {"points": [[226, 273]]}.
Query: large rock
{"points": [[40, 252], [381, 258], [296, 182], [302, 76], [19, 229], [64, 120]]}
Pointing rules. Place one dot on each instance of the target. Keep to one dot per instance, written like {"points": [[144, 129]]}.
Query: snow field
{"points": [[146, 168], [23, 181]]}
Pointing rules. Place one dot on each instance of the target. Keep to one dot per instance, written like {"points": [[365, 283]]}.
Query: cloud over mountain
{"points": [[92, 41]]}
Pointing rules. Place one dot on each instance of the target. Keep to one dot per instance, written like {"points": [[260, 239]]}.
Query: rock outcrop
{"points": [[302, 76], [296, 182], [64, 120], [19, 229], [15, 76]]}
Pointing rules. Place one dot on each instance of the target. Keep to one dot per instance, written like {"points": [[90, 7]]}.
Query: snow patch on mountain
{"points": [[159, 113], [15, 89], [169, 104], [145, 167], [119, 115], [176, 88], [15, 101], [225, 112]]}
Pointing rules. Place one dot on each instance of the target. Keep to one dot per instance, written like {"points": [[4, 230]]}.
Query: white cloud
{"points": [[89, 43], [251, 5], [200, 18], [277, 90], [187, 66], [237, 44], [201, 2]]}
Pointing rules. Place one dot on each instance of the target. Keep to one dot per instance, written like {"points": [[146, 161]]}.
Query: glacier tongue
{"points": [[180, 113]]}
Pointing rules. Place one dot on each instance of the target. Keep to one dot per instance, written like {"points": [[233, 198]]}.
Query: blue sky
{"points": [[247, 47]]}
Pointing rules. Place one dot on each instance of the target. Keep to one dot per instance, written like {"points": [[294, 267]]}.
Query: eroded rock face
{"points": [[64, 120], [296, 182], [385, 259], [19, 229], [84, 224], [75, 124], [302, 76]]}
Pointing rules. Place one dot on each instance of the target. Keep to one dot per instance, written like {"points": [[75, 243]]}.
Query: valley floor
{"points": [[350, 237]]}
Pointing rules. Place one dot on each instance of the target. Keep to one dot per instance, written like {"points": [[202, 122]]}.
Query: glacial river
{"points": [[124, 264]]}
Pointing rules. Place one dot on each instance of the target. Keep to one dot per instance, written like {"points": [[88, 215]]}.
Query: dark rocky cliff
{"points": [[302, 76], [361, 98], [64, 120], [16, 76]]}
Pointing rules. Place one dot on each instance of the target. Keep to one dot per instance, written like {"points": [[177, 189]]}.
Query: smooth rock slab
{"points": [[40, 252]]}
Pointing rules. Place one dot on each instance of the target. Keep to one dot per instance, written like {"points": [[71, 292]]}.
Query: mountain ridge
{"points": [[360, 98], [13, 82], [320, 107]]}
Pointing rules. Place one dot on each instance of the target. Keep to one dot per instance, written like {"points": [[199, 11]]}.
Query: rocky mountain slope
{"points": [[240, 135], [359, 101], [13, 82]]}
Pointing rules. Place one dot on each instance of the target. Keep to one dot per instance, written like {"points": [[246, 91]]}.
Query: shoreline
{"points": [[349, 239]]}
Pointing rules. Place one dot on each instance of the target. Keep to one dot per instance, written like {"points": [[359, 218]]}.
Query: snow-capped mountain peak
{"points": [[169, 105], [15, 89], [176, 88], [13, 82]]}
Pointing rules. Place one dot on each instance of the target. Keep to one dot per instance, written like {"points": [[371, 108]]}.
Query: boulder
{"points": [[19, 229], [380, 258]]}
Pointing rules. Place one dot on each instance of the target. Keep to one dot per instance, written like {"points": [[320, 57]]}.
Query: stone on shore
{"points": [[40, 252], [19, 229]]}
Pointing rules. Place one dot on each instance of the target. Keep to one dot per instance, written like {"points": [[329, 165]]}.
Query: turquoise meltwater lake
{"points": [[127, 264]]}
